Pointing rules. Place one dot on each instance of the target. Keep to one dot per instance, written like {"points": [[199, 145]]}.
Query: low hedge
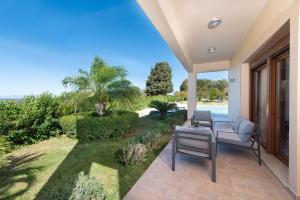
{"points": [[85, 125]]}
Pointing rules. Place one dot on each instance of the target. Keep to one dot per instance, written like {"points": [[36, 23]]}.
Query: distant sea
{"points": [[14, 98]]}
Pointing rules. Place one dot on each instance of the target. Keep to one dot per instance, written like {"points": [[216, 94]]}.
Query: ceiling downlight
{"points": [[214, 23]]}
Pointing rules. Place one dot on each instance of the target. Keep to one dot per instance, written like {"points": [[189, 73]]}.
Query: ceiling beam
{"points": [[212, 66]]}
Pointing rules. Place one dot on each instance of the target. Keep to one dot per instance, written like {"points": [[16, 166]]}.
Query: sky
{"points": [[42, 41]]}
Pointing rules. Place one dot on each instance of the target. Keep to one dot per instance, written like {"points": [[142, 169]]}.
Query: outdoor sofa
{"points": [[241, 132]]}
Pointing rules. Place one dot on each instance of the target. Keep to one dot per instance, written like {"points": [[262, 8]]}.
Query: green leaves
{"points": [[159, 82], [105, 82], [209, 89], [37, 119], [162, 107], [87, 188]]}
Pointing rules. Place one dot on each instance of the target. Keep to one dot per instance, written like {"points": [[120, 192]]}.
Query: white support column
{"points": [[245, 90], [192, 96], [294, 101]]}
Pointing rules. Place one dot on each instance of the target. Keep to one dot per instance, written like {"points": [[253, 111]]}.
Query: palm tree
{"points": [[105, 82], [162, 107]]}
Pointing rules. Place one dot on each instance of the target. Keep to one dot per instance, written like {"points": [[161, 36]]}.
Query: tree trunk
{"points": [[101, 108]]}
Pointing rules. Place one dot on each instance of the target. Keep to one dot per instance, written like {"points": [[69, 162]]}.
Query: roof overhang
{"points": [[184, 26]]}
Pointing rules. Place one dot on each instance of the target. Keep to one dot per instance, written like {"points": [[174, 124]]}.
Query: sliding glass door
{"points": [[260, 101], [282, 65]]}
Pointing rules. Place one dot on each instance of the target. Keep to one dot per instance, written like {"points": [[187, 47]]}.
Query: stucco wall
{"points": [[234, 95], [273, 16]]}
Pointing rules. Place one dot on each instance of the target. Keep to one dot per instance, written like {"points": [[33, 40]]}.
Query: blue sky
{"points": [[42, 41]]}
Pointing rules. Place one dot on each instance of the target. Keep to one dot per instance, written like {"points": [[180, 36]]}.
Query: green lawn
{"points": [[47, 170]]}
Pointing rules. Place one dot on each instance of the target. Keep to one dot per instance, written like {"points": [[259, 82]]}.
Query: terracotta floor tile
{"points": [[238, 177]]}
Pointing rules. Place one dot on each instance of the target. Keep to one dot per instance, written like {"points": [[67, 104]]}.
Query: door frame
{"points": [[267, 56], [283, 53]]}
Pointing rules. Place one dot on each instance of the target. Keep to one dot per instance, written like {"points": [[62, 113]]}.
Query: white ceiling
{"points": [[192, 18]]}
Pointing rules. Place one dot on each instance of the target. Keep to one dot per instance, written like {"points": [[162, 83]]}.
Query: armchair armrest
{"points": [[224, 132], [222, 121], [191, 131]]}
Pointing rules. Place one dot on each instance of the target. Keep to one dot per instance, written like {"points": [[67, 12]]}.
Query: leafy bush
{"points": [[152, 135], [9, 112], [180, 96], [162, 128], [86, 125], [149, 138], [69, 123], [133, 153], [87, 188], [37, 119], [162, 107]]}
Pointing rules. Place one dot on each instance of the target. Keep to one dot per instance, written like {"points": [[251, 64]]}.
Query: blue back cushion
{"points": [[237, 123], [245, 130]]}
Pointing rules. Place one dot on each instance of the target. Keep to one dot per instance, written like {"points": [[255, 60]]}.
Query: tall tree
{"points": [[160, 80], [209, 89], [105, 82], [184, 85]]}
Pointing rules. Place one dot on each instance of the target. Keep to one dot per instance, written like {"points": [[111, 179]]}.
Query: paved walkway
{"points": [[238, 177], [145, 112]]}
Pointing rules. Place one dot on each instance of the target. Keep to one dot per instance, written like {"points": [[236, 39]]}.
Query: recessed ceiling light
{"points": [[214, 23], [211, 50]]}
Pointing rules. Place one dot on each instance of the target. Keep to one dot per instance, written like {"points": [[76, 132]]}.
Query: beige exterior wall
{"points": [[294, 134], [245, 90], [273, 16]]}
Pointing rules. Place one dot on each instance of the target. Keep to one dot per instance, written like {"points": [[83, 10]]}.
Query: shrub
{"points": [[37, 120], [162, 128], [68, 123], [149, 138], [85, 125], [162, 107], [87, 188], [133, 153], [180, 96], [9, 112]]}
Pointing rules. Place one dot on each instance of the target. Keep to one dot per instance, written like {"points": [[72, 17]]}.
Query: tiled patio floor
{"points": [[238, 177]]}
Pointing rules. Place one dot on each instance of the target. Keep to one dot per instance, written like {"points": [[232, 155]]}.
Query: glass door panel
{"points": [[261, 101], [282, 106]]}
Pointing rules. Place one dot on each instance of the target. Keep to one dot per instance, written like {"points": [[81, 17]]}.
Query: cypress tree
{"points": [[160, 80]]}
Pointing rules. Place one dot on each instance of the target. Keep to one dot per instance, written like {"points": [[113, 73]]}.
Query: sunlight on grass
{"points": [[109, 177]]}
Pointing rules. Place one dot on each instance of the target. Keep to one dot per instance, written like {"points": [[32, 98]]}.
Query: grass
{"points": [[47, 170]]}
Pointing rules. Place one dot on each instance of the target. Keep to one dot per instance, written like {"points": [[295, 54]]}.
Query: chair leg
{"points": [[258, 153], [173, 153], [213, 163], [258, 150]]}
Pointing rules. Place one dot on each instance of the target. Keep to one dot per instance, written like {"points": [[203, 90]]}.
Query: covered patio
{"points": [[233, 35], [238, 177]]}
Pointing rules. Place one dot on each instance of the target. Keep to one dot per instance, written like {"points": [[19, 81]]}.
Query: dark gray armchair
{"points": [[202, 118], [199, 142], [241, 132]]}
